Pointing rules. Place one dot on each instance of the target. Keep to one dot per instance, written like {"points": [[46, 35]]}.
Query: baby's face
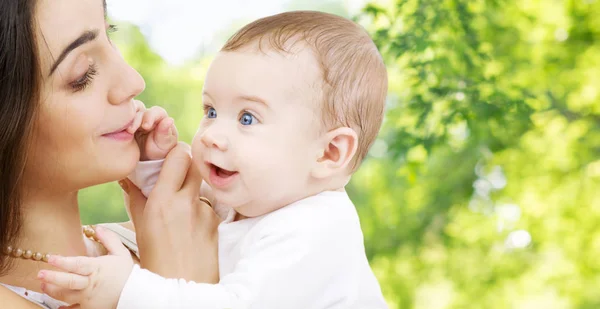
{"points": [[259, 138]]}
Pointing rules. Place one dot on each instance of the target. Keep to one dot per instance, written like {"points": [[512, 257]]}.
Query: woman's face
{"points": [[86, 100]]}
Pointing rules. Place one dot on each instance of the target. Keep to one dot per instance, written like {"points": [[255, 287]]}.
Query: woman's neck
{"points": [[50, 224]]}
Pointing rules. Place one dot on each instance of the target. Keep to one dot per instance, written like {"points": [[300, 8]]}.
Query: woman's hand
{"points": [[176, 232]]}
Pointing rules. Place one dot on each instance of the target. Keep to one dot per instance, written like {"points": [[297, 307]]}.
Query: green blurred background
{"points": [[483, 190]]}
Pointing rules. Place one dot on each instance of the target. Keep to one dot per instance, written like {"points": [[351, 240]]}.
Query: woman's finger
{"points": [[111, 242], [80, 265], [64, 280], [174, 171], [193, 181], [135, 202], [137, 121]]}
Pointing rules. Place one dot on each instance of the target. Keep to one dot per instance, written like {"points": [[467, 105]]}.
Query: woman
{"points": [[66, 98]]}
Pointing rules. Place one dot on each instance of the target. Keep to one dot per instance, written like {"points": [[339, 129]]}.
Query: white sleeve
{"points": [[145, 175], [292, 270], [146, 290]]}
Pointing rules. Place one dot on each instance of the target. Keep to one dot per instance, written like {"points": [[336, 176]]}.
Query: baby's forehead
{"points": [[295, 75], [298, 59], [302, 68]]}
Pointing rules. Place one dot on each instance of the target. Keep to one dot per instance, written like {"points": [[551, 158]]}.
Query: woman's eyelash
{"points": [[112, 29], [84, 81]]}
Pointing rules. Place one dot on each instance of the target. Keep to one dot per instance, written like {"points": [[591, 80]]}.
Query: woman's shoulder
{"points": [[11, 300]]}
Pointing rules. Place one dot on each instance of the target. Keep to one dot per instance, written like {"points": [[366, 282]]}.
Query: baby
{"points": [[292, 105]]}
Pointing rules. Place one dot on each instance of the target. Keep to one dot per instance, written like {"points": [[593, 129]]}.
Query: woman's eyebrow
{"points": [[85, 37]]}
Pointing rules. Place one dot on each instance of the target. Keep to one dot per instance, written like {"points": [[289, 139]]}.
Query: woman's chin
{"points": [[119, 165]]}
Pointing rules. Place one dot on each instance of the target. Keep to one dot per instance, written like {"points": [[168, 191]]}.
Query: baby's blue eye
{"points": [[247, 119], [211, 113]]}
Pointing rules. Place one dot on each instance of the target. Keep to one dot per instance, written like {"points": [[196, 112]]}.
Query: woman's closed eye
{"points": [[85, 80]]}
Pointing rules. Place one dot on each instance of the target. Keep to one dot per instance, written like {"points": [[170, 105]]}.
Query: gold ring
{"points": [[205, 200]]}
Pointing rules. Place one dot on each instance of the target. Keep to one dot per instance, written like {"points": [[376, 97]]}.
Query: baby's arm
{"points": [[287, 266], [90, 282], [145, 175], [98, 283]]}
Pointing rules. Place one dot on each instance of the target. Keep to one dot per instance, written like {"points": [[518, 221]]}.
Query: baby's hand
{"points": [[93, 283], [155, 132]]}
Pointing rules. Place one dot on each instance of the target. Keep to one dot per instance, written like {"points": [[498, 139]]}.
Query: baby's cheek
{"points": [[197, 147], [198, 158]]}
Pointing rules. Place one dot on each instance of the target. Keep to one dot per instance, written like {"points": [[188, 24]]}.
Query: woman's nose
{"points": [[126, 82]]}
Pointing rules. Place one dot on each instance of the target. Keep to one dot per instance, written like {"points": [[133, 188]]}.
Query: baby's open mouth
{"points": [[220, 177], [221, 172]]}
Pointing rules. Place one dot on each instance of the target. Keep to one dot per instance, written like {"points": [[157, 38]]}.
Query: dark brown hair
{"points": [[19, 97], [354, 76]]}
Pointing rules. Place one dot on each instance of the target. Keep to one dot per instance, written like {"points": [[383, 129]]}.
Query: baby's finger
{"points": [[137, 121], [153, 116], [139, 106], [165, 136], [111, 242], [165, 124], [66, 295], [81, 265], [175, 133], [64, 280]]}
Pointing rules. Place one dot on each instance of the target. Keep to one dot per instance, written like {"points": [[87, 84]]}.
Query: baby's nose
{"points": [[213, 139]]}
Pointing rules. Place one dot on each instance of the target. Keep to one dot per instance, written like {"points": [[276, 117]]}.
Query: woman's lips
{"points": [[120, 136]]}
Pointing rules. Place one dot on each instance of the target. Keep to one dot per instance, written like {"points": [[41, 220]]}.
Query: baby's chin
{"points": [[244, 206], [227, 200], [221, 211], [254, 209]]}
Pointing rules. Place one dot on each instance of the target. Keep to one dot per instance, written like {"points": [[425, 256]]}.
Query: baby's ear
{"points": [[338, 148]]}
